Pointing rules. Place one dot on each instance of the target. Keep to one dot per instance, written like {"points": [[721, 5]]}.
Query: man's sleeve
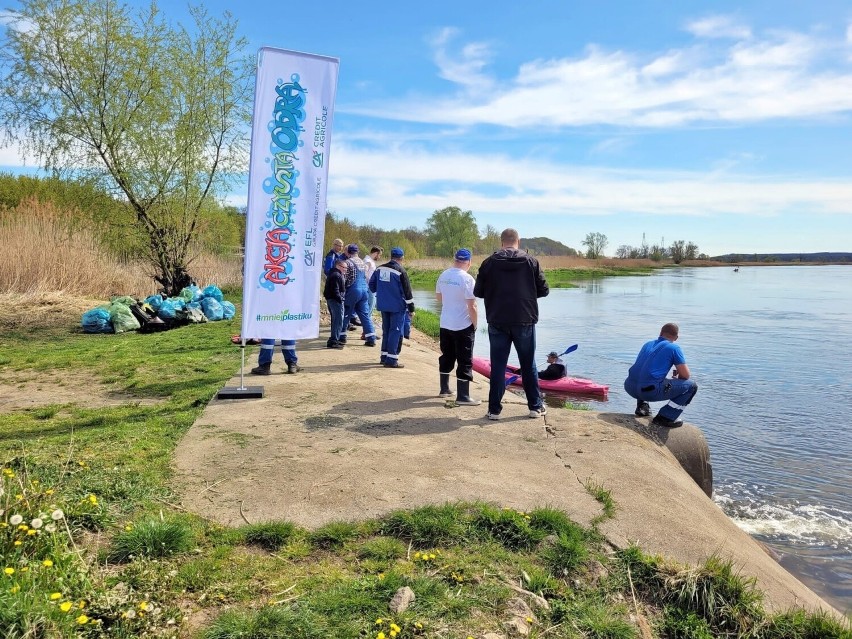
{"points": [[468, 289], [327, 263], [372, 283], [541, 287], [407, 295], [677, 355], [479, 286]]}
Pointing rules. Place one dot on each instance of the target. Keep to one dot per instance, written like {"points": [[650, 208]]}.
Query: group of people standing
{"points": [[510, 281]]}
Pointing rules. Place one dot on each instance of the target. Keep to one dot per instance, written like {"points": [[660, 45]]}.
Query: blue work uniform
{"points": [[647, 379], [394, 300]]}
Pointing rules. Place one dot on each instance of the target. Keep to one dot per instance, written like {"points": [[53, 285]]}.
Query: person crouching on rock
{"points": [[648, 381]]}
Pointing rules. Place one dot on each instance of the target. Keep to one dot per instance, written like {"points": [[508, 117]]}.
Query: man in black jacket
{"points": [[510, 282]]}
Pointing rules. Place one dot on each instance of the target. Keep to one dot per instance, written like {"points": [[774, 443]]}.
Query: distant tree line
{"points": [[678, 251]]}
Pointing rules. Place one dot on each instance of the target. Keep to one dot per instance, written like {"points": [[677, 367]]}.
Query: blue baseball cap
{"points": [[352, 248], [397, 252], [463, 255]]}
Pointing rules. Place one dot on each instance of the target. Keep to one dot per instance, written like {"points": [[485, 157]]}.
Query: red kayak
{"points": [[564, 385]]}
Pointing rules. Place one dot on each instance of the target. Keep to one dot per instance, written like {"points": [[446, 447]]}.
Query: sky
{"points": [[725, 124]]}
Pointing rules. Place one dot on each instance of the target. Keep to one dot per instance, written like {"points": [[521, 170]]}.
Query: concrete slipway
{"points": [[347, 439]]}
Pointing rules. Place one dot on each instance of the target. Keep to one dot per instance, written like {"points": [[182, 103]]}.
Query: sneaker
{"points": [[659, 420], [538, 412], [293, 368], [493, 416], [392, 363], [642, 410]]}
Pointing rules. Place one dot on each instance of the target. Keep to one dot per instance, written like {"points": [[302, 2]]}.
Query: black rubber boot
{"points": [[463, 394], [643, 409], [263, 369], [445, 386]]}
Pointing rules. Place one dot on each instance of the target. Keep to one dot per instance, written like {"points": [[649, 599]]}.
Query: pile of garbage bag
{"points": [[157, 313]]}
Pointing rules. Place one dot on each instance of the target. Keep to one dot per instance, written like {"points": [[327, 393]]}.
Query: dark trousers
{"points": [[502, 338], [457, 346]]}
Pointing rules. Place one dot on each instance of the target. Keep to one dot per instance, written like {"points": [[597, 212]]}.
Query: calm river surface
{"points": [[771, 350]]}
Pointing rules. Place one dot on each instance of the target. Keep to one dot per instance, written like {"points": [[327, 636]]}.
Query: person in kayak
{"points": [[555, 367], [511, 281], [648, 381]]}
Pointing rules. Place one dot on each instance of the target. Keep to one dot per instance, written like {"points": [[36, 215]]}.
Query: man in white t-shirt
{"points": [[372, 263], [454, 291]]}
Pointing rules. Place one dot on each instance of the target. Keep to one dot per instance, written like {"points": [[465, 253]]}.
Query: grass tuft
{"points": [[151, 538], [334, 534], [270, 535], [429, 526], [604, 497]]}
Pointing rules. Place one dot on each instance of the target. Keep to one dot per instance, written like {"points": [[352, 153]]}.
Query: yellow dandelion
{"points": [[49, 491], [417, 555], [81, 605], [393, 633], [23, 527], [381, 635], [395, 628], [379, 621], [65, 606], [9, 571], [529, 619], [55, 595], [93, 500], [18, 542], [32, 532], [47, 563], [14, 589], [143, 605], [25, 569], [82, 619], [381, 576], [418, 625]]}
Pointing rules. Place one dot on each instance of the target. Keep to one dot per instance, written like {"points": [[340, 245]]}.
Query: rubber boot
{"points": [[445, 386], [463, 394]]}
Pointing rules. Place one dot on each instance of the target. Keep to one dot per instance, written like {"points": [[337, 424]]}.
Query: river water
{"points": [[771, 350]]}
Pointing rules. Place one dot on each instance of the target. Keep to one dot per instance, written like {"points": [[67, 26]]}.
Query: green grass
{"points": [[427, 322], [604, 497], [122, 549]]}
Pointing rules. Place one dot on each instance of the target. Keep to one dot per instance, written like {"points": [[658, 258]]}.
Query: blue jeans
{"points": [[335, 309], [267, 349], [392, 334], [502, 337], [678, 393]]}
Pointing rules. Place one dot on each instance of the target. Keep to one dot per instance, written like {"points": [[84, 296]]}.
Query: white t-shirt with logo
{"points": [[456, 288]]}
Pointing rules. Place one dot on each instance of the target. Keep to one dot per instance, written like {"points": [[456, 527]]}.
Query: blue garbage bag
{"points": [[212, 309], [212, 291], [228, 310], [154, 301], [190, 293], [96, 320], [167, 310]]}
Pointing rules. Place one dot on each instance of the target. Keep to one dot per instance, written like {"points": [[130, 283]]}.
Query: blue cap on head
{"points": [[352, 248], [463, 255], [397, 252]]}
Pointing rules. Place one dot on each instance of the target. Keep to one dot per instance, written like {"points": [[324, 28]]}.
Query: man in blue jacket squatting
{"points": [[648, 381], [394, 300]]}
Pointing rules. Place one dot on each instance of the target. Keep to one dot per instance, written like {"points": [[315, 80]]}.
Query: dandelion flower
{"points": [[65, 606], [50, 528], [25, 569], [18, 542], [57, 514], [393, 633], [529, 619], [14, 589], [395, 628], [93, 500], [36, 523], [32, 532], [49, 491], [55, 595], [379, 621], [82, 619], [143, 605], [47, 563], [9, 571], [15, 520], [381, 635]]}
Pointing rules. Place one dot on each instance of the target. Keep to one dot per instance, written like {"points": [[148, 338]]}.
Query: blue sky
{"points": [[712, 122]]}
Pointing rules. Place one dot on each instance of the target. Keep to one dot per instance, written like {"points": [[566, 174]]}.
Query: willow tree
{"points": [[155, 112], [449, 229]]}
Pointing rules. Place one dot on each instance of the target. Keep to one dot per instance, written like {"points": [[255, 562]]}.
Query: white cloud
{"points": [[779, 75], [416, 182], [12, 155], [718, 27]]}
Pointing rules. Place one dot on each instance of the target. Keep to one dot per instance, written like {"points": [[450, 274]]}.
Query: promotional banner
{"points": [[288, 173]]}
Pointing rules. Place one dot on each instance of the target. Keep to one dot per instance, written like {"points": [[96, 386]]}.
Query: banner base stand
{"points": [[242, 392]]}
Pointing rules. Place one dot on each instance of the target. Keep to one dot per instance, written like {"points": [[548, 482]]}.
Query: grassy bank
{"points": [[422, 278], [102, 549]]}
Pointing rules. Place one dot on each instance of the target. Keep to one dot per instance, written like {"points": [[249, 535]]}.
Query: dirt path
{"points": [[348, 439]]}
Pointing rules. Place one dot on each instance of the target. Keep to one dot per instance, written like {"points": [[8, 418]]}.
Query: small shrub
{"points": [[270, 535], [681, 624], [334, 535], [152, 538]]}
